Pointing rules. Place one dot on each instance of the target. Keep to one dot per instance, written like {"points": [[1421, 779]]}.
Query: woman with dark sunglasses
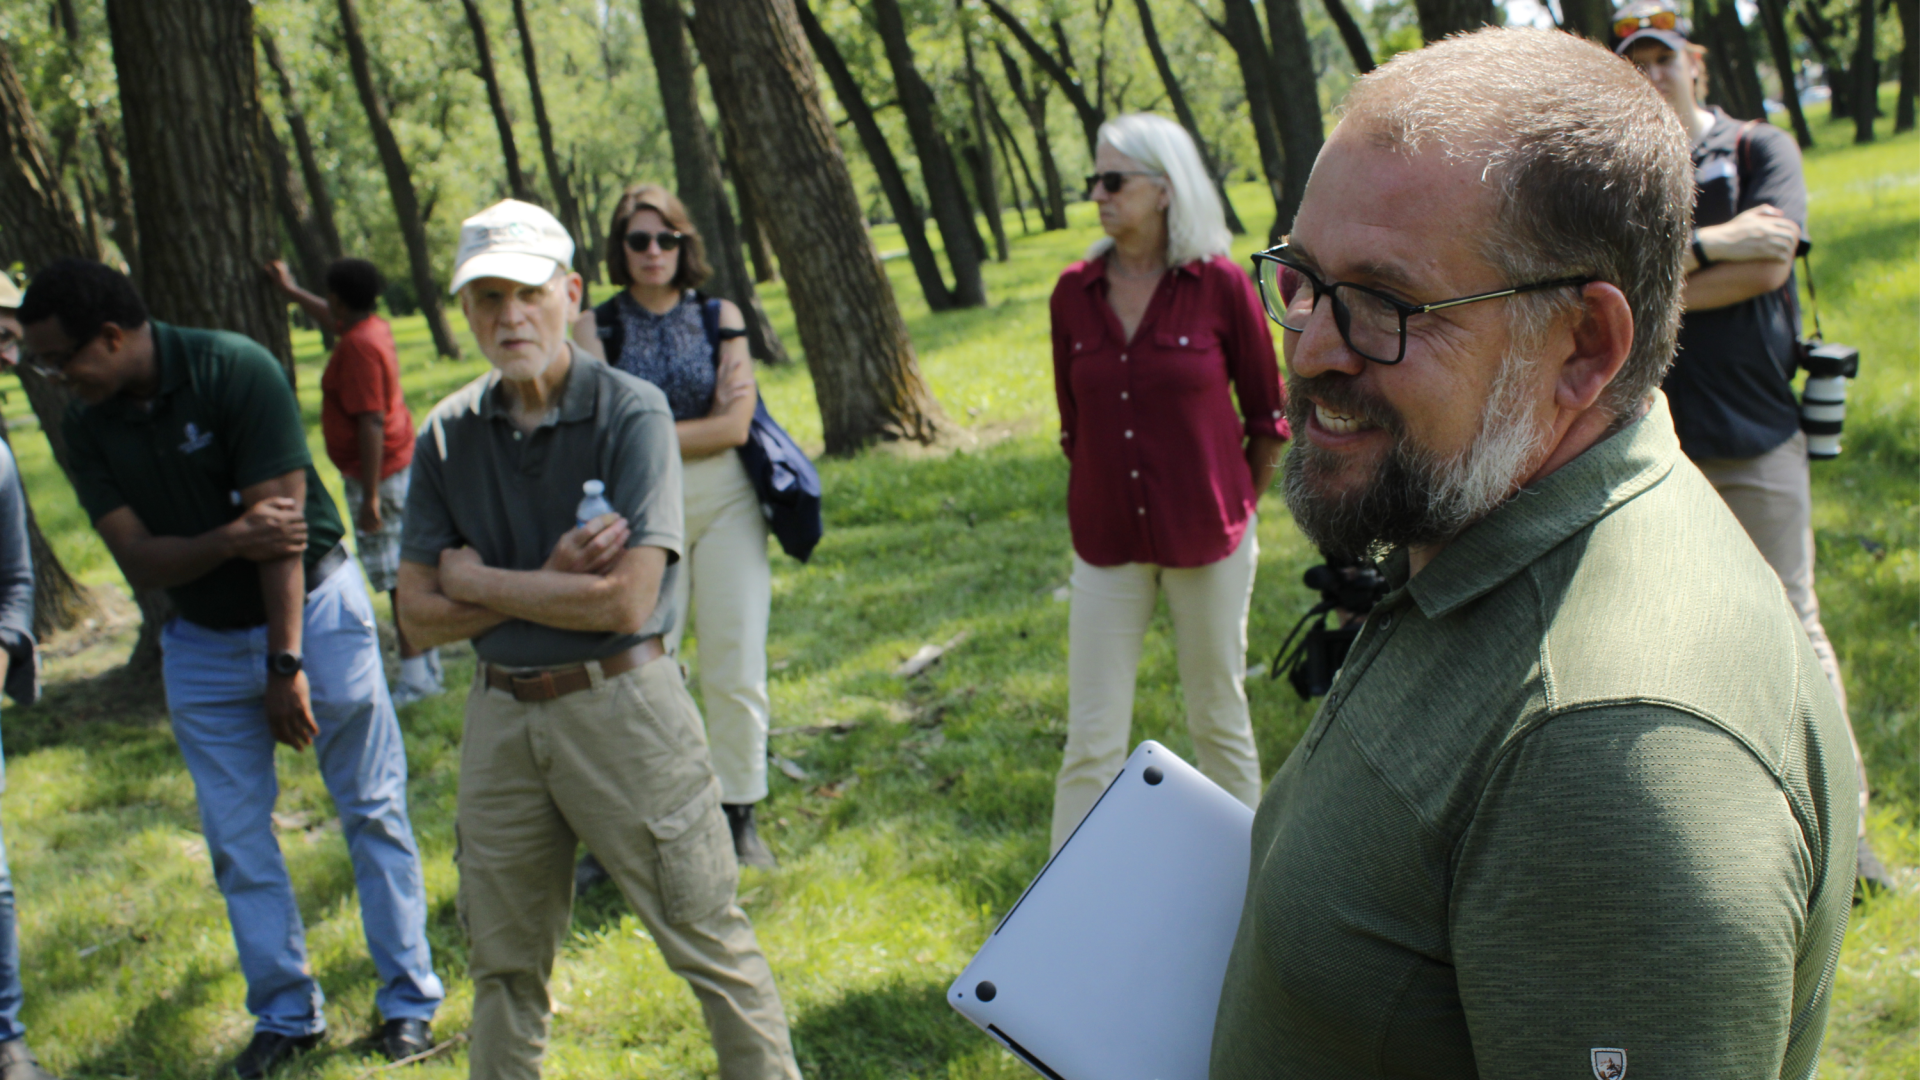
{"points": [[659, 326], [1155, 335]]}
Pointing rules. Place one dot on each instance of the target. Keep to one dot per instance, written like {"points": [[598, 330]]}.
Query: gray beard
{"points": [[1415, 498]]}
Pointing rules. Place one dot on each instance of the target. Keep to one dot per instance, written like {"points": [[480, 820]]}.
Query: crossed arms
{"points": [[1752, 255]]}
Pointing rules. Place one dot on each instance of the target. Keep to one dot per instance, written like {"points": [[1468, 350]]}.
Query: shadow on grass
{"points": [[898, 1029]]}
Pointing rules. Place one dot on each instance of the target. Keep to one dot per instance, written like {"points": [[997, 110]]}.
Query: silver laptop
{"points": [[1109, 966]]}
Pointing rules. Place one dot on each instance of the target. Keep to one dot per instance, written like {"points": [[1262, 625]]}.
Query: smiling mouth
{"points": [[1338, 423]]}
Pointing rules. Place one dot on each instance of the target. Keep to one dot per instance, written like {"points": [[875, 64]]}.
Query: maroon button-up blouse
{"points": [[1159, 470]]}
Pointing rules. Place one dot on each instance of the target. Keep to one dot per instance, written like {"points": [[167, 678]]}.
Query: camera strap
{"points": [[1740, 160]]}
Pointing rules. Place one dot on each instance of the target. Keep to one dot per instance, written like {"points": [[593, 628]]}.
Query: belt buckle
{"points": [[523, 686]]}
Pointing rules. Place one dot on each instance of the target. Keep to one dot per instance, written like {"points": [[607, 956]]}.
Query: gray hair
{"points": [[1196, 226], [1590, 166]]}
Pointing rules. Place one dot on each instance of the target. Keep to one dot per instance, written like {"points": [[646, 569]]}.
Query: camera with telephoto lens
{"points": [[1823, 399], [1352, 586]]}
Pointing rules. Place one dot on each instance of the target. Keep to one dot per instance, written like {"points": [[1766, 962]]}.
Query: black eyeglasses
{"points": [[1113, 181], [1372, 323], [639, 241]]}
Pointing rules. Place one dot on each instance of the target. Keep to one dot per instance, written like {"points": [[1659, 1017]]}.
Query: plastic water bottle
{"points": [[593, 504]]}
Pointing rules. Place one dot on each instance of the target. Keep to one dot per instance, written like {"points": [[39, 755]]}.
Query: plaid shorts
{"points": [[380, 551]]}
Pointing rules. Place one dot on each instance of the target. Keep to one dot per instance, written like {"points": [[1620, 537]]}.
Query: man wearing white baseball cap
{"points": [[578, 726]]}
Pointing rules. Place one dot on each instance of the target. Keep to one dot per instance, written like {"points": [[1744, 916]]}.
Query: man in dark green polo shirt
{"points": [[188, 454], [1579, 803]]}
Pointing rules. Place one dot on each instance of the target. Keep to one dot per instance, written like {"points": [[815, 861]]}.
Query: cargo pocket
{"points": [[698, 874]]}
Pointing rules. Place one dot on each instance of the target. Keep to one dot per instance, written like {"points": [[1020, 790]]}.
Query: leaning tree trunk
{"points": [[766, 268], [497, 101], [1775, 24], [1184, 112], [1820, 34], [1909, 63], [1091, 112], [1732, 82], [1591, 19], [1866, 72], [319, 196], [1010, 150], [696, 168], [296, 215], [893, 184], [1053, 210], [1438, 18], [985, 185], [938, 172], [556, 175], [406, 202], [1296, 104], [1356, 40], [865, 377]]}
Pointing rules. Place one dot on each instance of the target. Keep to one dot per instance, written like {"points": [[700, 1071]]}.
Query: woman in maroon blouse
{"points": [[1155, 334]]}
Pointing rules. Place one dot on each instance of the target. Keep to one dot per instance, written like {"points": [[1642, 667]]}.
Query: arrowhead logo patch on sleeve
{"points": [[1609, 1063]]}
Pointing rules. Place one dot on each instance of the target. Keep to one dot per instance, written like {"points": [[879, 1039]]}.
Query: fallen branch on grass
{"points": [[928, 656], [415, 1059]]}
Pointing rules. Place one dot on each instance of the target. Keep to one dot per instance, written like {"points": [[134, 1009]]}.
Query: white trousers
{"points": [[1108, 624], [731, 590]]}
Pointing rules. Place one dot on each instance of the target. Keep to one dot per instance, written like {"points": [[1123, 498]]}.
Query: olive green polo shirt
{"points": [[480, 482], [224, 418], [1580, 799]]}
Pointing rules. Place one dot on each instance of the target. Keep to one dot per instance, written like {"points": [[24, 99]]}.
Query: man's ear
{"points": [[112, 336], [1602, 338]]}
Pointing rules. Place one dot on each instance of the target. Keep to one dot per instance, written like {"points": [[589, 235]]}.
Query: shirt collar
{"points": [[577, 396], [1094, 271], [1610, 474]]}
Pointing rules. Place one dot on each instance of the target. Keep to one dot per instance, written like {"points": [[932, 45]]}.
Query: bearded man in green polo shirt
{"points": [[1580, 801]]}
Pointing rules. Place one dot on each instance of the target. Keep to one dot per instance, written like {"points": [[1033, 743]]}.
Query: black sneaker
{"points": [[18, 1063], [1870, 873], [269, 1050], [402, 1039], [747, 845]]}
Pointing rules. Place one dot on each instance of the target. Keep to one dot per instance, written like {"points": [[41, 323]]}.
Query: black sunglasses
{"points": [[1113, 181], [1372, 323], [639, 240]]}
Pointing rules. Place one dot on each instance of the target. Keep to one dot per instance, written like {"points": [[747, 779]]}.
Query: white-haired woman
{"points": [[1155, 334]]}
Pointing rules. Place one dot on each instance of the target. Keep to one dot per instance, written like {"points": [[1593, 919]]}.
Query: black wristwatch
{"points": [[1699, 252], [285, 664]]}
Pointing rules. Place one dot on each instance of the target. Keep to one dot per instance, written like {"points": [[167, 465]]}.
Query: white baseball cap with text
{"points": [[514, 240]]}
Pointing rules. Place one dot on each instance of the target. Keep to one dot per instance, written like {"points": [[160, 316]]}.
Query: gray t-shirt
{"points": [[480, 482]]}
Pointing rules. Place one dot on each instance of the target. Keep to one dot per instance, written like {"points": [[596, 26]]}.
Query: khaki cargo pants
{"points": [[623, 766]]}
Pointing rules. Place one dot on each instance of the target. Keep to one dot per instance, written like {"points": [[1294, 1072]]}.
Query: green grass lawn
{"points": [[904, 835]]}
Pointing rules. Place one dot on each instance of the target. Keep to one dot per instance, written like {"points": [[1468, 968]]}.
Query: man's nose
{"points": [[1319, 348]]}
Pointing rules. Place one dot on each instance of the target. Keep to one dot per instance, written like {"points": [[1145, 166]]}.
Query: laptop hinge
{"points": [[1022, 1051]]}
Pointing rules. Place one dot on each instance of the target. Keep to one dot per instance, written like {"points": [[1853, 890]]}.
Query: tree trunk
{"points": [[319, 196], [1091, 113], [1732, 82], [556, 175], [985, 183], [1053, 209], [1909, 63], [497, 101], [696, 168], [760, 255], [37, 222], [1356, 40], [1822, 35], [1776, 27], [1241, 31], [1184, 112], [1866, 72], [865, 377], [938, 172], [1010, 149], [59, 602], [1591, 19], [296, 219], [893, 183], [1296, 103], [1438, 18], [406, 203]]}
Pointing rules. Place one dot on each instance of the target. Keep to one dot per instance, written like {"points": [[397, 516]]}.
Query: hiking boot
{"points": [[747, 845], [269, 1050], [402, 1039], [1870, 873], [18, 1063]]}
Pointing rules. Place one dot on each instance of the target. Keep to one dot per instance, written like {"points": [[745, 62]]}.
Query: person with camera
{"points": [[1579, 801], [1731, 387], [1155, 335], [187, 452]]}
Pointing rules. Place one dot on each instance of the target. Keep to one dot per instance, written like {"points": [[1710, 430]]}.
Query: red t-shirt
{"points": [[363, 376], [1159, 470]]}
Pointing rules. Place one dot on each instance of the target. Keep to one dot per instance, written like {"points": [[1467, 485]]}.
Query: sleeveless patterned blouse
{"points": [[670, 351]]}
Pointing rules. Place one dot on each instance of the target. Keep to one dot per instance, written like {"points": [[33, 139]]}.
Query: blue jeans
{"points": [[10, 995], [216, 686]]}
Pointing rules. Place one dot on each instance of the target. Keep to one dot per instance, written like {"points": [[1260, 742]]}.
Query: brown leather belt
{"points": [[546, 684]]}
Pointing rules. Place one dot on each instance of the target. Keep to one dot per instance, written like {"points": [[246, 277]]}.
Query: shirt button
{"points": [[1123, 358], [1123, 395], [1276, 414], [1183, 341], [1143, 509], [516, 436], [1136, 474], [1129, 434], [1076, 346]]}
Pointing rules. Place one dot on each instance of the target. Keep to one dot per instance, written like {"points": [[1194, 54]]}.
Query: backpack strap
{"points": [[710, 321], [612, 332]]}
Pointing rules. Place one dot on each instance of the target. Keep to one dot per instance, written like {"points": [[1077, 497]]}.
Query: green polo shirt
{"points": [[1580, 797], [224, 419], [482, 483]]}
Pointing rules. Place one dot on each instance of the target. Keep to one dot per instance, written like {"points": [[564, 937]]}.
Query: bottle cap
{"points": [[593, 487]]}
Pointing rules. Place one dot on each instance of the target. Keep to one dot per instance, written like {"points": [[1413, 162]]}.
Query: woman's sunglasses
{"points": [[639, 241], [1113, 181], [1659, 20]]}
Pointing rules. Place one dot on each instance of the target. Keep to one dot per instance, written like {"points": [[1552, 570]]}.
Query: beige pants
{"points": [[1108, 624], [731, 590], [1772, 496], [624, 767]]}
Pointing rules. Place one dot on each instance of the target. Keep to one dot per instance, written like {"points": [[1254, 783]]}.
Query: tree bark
{"points": [[696, 168], [1296, 104], [1909, 11], [119, 208], [1820, 34], [1355, 39], [1010, 148], [497, 101], [1438, 18], [1053, 209], [760, 255], [556, 175], [865, 377], [296, 218], [985, 183], [1866, 72], [37, 221], [1184, 113], [945, 197], [59, 602], [1591, 19], [1732, 82], [406, 203], [1241, 31], [893, 183], [1775, 25], [1091, 113], [319, 195]]}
